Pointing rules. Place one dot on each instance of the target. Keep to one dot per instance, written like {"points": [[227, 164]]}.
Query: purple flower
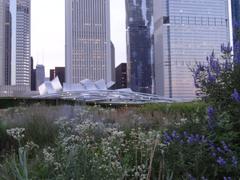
{"points": [[174, 134], [226, 49], [234, 162], [211, 117], [211, 77], [203, 178], [227, 66], [185, 134], [191, 139], [221, 161], [197, 72], [236, 96], [220, 150], [167, 138], [227, 178], [214, 154], [225, 146]]}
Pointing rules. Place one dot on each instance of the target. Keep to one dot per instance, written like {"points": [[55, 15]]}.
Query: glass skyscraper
{"points": [[236, 25], [2, 42], [5, 43], [88, 45], [139, 25], [186, 31]]}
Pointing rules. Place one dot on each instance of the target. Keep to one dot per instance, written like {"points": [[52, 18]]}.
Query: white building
{"points": [[88, 46], [186, 32], [21, 42], [2, 42]]}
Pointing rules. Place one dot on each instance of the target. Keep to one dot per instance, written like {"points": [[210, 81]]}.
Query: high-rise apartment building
{"points": [[20, 42], [2, 42], [186, 32], [88, 46], [140, 59]]}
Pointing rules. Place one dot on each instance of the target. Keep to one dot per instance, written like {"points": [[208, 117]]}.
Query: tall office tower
{"points": [[8, 43], [20, 27], [113, 61], [33, 76], [88, 45], [186, 32], [121, 76], [139, 25], [2, 42], [60, 73], [236, 26], [40, 75]]}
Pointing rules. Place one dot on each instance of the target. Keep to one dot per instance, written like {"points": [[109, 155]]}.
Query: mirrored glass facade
{"points": [[139, 25], [236, 24], [186, 31], [88, 46]]}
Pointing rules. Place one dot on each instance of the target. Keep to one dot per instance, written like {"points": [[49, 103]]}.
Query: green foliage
{"points": [[219, 84], [93, 143]]}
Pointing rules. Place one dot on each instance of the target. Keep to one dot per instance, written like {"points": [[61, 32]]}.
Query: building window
{"points": [[166, 20]]}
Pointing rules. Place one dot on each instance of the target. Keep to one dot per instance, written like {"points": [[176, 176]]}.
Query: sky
{"points": [[48, 32]]}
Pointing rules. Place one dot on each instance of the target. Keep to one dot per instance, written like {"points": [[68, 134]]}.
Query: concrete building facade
{"points": [[88, 45], [20, 42]]}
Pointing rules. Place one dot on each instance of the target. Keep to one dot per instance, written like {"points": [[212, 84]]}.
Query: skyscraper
{"points": [[40, 75], [8, 43], [139, 25], [121, 76], [58, 72], [113, 61], [20, 42], [2, 42], [33, 77], [186, 32], [236, 26], [88, 48]]}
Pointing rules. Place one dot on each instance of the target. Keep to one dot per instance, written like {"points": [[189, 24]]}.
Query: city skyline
{"points": [[48, 38]]}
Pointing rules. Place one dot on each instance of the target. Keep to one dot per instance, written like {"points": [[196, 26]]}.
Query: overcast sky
{"points": [[48, 32]]}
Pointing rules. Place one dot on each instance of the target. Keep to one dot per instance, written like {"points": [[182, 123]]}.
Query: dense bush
{"points": [[219, 85]]}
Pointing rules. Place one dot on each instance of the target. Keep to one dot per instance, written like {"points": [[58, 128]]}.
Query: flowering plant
{"points": [[218, 83]]}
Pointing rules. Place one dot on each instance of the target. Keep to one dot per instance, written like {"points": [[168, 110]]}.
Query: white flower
{"points": [[16, 133], [48, 154], [31, 145]]}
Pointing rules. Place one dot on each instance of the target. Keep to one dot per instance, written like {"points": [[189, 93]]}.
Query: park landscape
{"points": [[196, 140]]}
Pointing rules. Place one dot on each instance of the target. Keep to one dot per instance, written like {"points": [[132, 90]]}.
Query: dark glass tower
{"points": [[8, 44], [236, 26], [139, 25]]}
